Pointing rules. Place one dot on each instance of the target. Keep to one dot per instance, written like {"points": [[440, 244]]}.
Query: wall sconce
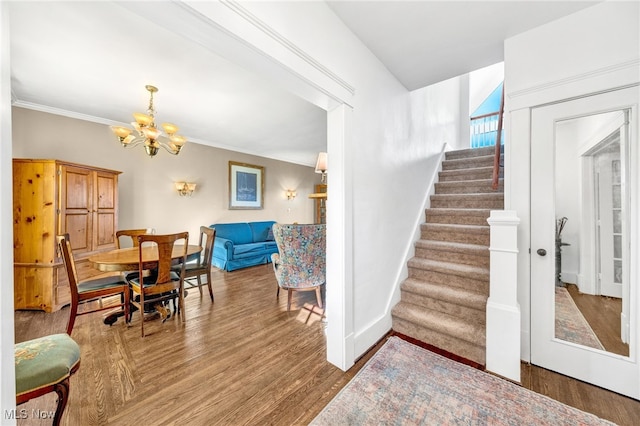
{"points": [[321, 166], [185, 188], [291, 194]]}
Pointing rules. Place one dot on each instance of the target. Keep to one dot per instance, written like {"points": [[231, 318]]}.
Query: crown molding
{"points": [[622, 66], [241, 11], [63, 112]]}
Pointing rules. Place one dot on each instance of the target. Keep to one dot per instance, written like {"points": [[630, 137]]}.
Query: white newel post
{"points": [[503, 310]]}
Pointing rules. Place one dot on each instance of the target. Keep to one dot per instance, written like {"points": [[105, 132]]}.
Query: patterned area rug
{"points": [[571, 326], [403, 384]]}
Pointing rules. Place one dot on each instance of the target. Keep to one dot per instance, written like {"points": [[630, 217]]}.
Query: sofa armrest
{"points": [[223, 248]]}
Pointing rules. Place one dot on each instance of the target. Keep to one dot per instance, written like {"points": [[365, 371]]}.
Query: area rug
{"points": [[571, 326], [404, 384]]}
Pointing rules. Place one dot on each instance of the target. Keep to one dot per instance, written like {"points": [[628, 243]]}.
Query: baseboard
{"points": [[368, 337]]}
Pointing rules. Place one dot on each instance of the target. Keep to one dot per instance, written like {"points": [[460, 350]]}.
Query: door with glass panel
{"points": [[584, 235]]}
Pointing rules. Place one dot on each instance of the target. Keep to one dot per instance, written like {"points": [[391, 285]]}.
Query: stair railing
{"points": [[496, 158]]}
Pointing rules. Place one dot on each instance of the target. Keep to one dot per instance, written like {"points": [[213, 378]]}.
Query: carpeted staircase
{"points": [[443, 301]]}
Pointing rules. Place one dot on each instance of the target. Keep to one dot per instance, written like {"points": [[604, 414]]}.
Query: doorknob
{"points": [[541, 252]]}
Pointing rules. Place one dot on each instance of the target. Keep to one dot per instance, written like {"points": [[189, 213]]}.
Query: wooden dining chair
{"points": [[93, 289], [162, 284], [132, 234], [195, 271]]}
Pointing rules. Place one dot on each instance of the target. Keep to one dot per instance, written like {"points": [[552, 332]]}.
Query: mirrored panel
{"points": [[592, 202]]}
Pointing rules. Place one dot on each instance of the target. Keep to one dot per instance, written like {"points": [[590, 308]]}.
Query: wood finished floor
{"points": [[240, 361], [603, 315]]}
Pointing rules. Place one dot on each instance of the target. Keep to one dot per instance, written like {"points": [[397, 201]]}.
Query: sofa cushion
{"points": [[253, 248], [261, 230], [239, 233]]}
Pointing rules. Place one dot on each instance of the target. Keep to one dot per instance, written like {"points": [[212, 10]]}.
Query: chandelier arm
{"points": [[167, 147], [135, 142]]}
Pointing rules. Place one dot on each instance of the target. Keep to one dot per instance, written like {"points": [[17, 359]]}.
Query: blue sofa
{"points": [[243, 244]]}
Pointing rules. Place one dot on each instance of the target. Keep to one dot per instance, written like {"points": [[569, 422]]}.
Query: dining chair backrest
{"points": [[165, 245], [132, 234], [207, 236], [193, 272], [69, 263]]}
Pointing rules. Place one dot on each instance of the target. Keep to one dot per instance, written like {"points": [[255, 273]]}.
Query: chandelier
{"points": [[148, 133]]}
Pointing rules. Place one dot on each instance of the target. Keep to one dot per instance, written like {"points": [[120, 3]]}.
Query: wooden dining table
{"points": [[127, 259]]}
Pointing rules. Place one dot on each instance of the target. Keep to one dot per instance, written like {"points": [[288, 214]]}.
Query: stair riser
{"points": [[448, 343], [474, 316], [478, 188], [428, 233], [464, 174], [456, 219], [480, 286], [446, 256], [468, 163], [467, 203], [470, 153]]}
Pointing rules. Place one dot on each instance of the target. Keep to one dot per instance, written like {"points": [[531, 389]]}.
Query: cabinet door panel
{"points": [[79, 230], [76, 205], [106, 197], [105, 215], [78, 189], [105, 231]]}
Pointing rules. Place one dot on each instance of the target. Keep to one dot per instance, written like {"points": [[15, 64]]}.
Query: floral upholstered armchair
{"points": [[300, 264]]}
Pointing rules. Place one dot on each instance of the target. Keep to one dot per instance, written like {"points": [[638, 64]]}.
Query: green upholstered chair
{"points": [[44, 365]]}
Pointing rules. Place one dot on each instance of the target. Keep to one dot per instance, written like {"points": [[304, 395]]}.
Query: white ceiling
{"points": [[93, 59]]}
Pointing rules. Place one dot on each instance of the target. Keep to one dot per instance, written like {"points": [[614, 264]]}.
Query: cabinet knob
{"points": [[541, 252]]}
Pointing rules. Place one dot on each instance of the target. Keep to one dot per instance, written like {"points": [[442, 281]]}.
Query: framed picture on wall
{"points": [[246, 186]]}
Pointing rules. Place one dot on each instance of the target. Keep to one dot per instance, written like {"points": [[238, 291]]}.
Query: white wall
{"points": [[7, 373], [147, 195], [592, 50]]}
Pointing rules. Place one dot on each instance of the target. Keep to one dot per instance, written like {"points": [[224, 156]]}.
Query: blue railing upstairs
{"points": [[484, 130]]}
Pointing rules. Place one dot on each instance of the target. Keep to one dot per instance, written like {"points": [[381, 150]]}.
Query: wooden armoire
{"points": [[50, 198]]}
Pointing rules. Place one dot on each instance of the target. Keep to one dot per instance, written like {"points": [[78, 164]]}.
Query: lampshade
{"points": [[170, 129], [321, 163]]}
